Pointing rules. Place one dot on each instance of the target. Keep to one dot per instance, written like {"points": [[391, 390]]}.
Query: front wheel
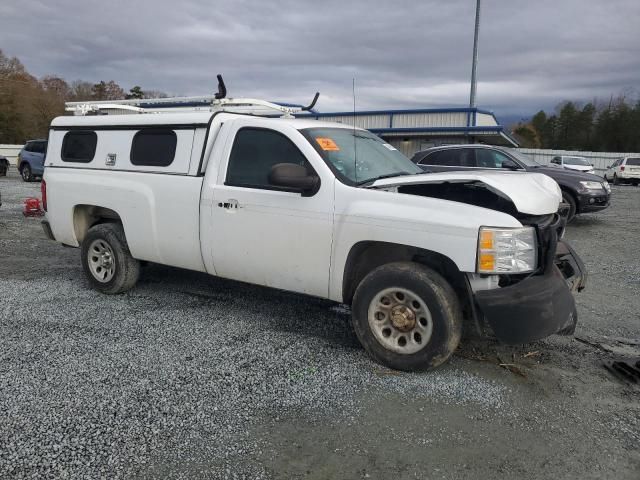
{"points": [[407, 316], [26, 173], [569, 200], [107, 261]]}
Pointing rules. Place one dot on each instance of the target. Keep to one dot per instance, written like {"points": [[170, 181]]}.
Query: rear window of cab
{"points": [[633, 161]]}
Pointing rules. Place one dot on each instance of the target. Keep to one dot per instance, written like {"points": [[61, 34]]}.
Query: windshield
{"points": [[576, 161], [357, 156], [526, 159]]}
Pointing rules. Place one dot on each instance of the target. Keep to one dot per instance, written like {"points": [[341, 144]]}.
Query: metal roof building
{"points": [[414, 130]]}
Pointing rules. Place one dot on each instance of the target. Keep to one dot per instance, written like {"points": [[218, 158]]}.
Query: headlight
{"points": [[606, 186], [507, 250], [591, 185]]}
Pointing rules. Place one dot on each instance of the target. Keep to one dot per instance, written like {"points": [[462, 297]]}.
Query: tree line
{"points": [[28, 104], [612, 126]]}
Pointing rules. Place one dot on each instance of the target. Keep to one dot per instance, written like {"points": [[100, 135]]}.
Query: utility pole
{"points": [[472, 97]]}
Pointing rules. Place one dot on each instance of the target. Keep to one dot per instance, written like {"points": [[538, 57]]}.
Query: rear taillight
{"points": [[622, 168], [43, 189]]}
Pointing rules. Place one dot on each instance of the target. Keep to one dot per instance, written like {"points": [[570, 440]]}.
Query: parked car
{"points": [[322, 209], [4, 166], [571, 162], [31, 160], [582, 192], [626, 169]]}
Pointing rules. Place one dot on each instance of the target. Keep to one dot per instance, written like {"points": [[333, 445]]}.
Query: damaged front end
{"points": [[531, 303], [526, 308]]}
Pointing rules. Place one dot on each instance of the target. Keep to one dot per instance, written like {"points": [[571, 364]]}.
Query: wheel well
{"points": [[86, 216], [572, 194], [366, 256]]}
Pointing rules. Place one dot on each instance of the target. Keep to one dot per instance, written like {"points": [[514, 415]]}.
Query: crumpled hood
{"points": [[531, 193]]}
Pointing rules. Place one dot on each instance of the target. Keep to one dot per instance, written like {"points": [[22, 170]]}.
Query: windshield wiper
{"points": [[380, 177]]}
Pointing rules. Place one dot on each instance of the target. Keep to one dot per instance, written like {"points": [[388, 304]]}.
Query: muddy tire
{"points": [[569, 200], [107, 261], [407, 316]]}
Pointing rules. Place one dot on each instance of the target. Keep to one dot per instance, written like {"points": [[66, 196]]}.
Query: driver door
{"points": [[263, 234]]}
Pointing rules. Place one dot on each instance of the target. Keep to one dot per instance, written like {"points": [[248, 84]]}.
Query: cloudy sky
{"points": [[403, 54]]}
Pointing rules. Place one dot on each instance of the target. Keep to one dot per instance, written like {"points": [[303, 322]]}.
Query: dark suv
{"points": [[583, 192], [31, 160]]}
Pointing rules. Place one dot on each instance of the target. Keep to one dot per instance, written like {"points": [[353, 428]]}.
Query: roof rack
{"points": [[214, 102]]}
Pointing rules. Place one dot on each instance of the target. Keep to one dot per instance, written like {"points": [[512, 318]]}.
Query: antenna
{"points": [[312, 104], [355, 148], [222, 88]]}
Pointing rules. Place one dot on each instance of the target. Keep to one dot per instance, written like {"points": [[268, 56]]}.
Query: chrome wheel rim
{"points": [[25, 173], [101, 261], [400, 320]]}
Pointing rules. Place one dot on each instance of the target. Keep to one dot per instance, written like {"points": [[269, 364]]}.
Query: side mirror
{"points": [[510, 164], [293, 176]]}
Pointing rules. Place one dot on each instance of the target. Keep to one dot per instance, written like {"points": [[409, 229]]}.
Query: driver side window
{"points": [[254, 152], [486, 158]]}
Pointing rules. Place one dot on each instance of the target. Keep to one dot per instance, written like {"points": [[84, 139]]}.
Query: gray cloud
{"points": [[402, 54]]}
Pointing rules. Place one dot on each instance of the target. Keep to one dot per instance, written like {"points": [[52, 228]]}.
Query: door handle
{"points": [[230, 204]]}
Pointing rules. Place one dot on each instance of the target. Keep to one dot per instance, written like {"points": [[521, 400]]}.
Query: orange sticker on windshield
{"points": [[327, 144]]}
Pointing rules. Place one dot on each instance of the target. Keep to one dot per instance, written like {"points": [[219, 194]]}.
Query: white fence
{"points": [[600, 160], [11, 152]]}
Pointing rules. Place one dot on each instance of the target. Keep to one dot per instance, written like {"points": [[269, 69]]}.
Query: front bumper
{"points": [[537, 306], [593, 202]]}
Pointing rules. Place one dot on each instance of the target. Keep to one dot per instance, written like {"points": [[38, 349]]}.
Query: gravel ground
{"points": [[189, 376]]}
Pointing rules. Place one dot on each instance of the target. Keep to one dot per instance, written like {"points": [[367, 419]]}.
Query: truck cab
{"points": [[322, 209]]}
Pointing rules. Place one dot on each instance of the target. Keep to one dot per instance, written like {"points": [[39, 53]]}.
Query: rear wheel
{"points": [[569, 200], [25, 173], [107, 261], [407, 316], [615, 179]]}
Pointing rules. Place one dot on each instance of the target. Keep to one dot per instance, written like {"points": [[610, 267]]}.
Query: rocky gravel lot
{"points": [[189, 376]]}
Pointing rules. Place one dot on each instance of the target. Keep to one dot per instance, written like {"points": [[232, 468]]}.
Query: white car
{"points": [[322, 209], [580, 164], [626, 169]]}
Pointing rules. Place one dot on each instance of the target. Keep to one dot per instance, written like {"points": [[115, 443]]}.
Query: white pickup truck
{"points": [[322, 209]]}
